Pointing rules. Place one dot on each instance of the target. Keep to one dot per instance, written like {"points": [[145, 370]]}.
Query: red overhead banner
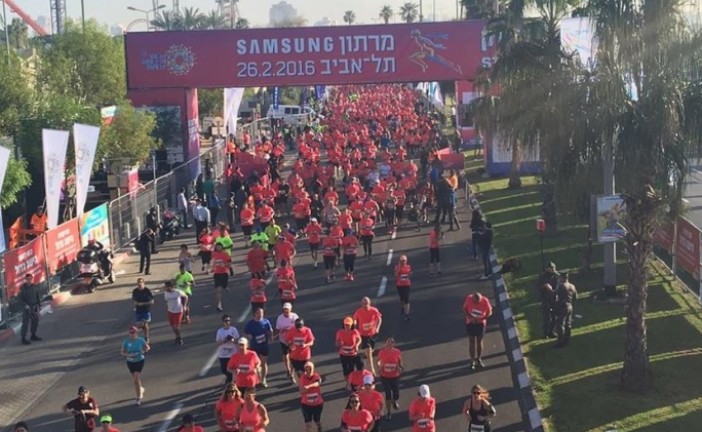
{"points": [[21, 261], [308, 55], [62, 245], [687, 247]]}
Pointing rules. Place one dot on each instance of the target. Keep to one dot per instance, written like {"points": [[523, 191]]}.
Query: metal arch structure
{"points": [[58, 16], [25, 17], [136, 22]]}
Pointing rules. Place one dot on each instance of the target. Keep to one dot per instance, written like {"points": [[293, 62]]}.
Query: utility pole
{"points": [[82, 13], [610, 248], [421, 11]]}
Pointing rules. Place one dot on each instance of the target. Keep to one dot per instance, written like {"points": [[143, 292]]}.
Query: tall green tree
{"points": [[210, 102], [18, 33], [190, 18], [166, 21], [213, 21], [242, 23], [409, 12], [129, 137], [386, 13], [349, 17], [88, 65]]}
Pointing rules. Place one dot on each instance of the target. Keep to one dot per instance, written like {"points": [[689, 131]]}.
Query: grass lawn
{"points": [[577, 388]]}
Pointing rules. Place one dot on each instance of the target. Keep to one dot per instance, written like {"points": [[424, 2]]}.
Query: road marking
{"points": [[389, 261], [383, 286], [172, 414], [685, 201], [209, 364]]}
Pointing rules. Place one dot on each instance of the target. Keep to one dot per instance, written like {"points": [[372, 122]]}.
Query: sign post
{"points": [[541, 227]]}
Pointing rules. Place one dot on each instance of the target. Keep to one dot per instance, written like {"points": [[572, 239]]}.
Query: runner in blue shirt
{"points": [[260, 331], [134, 348]]}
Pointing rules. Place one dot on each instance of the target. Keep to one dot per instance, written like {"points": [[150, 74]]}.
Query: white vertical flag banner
{"points": [[85, 141], [54, 146], [232, 102], [4, 160]]}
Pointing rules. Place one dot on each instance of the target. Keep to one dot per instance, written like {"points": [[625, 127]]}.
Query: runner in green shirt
{"points": [[226, 241], [261, 238], [185, 281]]}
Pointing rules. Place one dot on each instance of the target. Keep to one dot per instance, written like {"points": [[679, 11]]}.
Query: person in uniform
{"points": [[30, 299], [565, 295], [546, 286]]}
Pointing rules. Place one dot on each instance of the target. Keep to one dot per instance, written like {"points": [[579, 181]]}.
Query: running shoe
{"points": [[388, 416], [479, 363], [395, 406], [138, 402], [264, 384]]}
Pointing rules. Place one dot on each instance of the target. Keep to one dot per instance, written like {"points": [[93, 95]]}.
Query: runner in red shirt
{"points": [[301, 212], [207, 241], [477, 309], [331, 195], [287, 283], [355, 379], [422, 411], [368, 320], [221, 269], [284, 250], [345, 219], [330, 245], [265, 213], [349, 244], [371, 399], [311, 397], [348, 340], [390, 365], [258, 293], [256, 261], [247, 216], [355, 419], [226, 408], [314, 238], [403, 272], [367, 235], [356, 208], [301, 340], [245, 365]]}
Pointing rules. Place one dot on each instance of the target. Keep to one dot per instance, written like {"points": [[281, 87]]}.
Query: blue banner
{"points": [[319, 91], [303, 97], [276, 98]]}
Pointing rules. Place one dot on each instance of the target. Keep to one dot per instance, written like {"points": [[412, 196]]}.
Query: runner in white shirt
{"points": [[226, 338], [285, 321], [176, 300]]}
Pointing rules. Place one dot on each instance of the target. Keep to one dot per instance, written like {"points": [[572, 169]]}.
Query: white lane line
{"points": [[389, 261], [172, 414], [685, 201], [209, 364], [382, 287]]}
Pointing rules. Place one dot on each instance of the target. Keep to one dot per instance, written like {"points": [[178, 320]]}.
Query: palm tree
{"points": [[190, 18], [349, 17], [166, 20], [476, 9], [212, 21], [409, 12], [386, 13], [242, 23]]}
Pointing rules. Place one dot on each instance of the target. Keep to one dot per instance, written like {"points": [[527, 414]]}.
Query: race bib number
{"points": [[347, 349], [287, 293], [390, 367], [311, 397], [299, 341], [227, 350], [261, 338], [476, 428], [423, 423], [244, 368], [404, 277], [367, 326], [476, 313]]}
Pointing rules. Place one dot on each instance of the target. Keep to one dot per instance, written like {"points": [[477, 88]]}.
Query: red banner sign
{"points": [[442, 51], [21, 261], [687, 247], [62, 245], [663, 237]]}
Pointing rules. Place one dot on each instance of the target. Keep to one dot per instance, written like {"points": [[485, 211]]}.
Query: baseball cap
{"points": [[348, 321], [368, 379], [242, 341], [82, 389], [313, 219], [287, 306], [106, 419], [424, 391], [133, 329]]}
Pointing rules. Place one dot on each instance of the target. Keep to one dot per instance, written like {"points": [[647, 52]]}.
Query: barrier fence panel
{"points": [[128, 214]]}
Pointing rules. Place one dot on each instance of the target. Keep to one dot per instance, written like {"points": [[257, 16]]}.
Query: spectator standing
{"points": [[183, 206], [214, 205], [202, 218], [566, 294], [30, 298], [485, 244], [146, 245]]}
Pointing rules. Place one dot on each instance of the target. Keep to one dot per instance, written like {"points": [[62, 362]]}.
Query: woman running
{"points": [[134, 348], [367, 235], [349, 243], [207, 242], [390, 367], [348, 340], [226, 409], [422, 411], [252, 415], [435, 238], [403, 271], [478, 410], [355, 419], [311, 398]]}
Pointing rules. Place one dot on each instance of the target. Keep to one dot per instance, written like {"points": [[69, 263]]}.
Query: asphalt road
{"points": [[184, 379]]}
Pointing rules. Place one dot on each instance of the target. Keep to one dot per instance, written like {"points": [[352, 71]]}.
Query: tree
{"points": [[297, 21], [166, 21], [477, 9], [213, 21], [16, 94], [243, 23], [129, 137], [88, 65], [386, 13], [17, 179], [409, 12], [210, 102], [190, 18], [18, 34], [349, 17]]}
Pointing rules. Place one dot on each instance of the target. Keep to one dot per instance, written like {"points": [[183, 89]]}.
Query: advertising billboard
{"points": [[687, 247], [95, 225], [62, 245], [609, 213], [357, 54], [26, 259]]}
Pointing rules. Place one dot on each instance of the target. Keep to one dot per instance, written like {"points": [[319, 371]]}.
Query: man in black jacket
{"points": [[146, 245], [443, 201], [485, 243], [30, 298]]}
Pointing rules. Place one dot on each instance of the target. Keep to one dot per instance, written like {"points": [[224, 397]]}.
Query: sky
{"points": [[112, 12]]}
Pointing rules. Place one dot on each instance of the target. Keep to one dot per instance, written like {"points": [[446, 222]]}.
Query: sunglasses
{"points": [[227, 320], [477, 393], [355, 401], [230, 392]]}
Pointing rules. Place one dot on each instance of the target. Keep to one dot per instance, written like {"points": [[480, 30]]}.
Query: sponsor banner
{"points": [[4, 160], [663, 237], [276, 98], [85, 141], [95, 225], [62, 245], [454, 161], [54, 146], [193, 148], [609, 213], [417, 52], [26, 259], [232, 102], [687, 247], [108, 114]]}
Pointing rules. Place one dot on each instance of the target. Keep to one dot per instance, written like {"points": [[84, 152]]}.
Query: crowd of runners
{"points": [[356, 177]]}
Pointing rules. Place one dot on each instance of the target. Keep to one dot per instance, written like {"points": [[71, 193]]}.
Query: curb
{"points": [[513, 346], [57, 299]]}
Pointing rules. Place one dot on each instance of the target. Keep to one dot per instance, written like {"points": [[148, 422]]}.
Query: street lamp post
{"points": [[146, 12], [7, 33]]}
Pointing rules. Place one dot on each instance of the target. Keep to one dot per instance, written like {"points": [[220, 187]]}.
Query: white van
{"points": [[290, 114]]}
